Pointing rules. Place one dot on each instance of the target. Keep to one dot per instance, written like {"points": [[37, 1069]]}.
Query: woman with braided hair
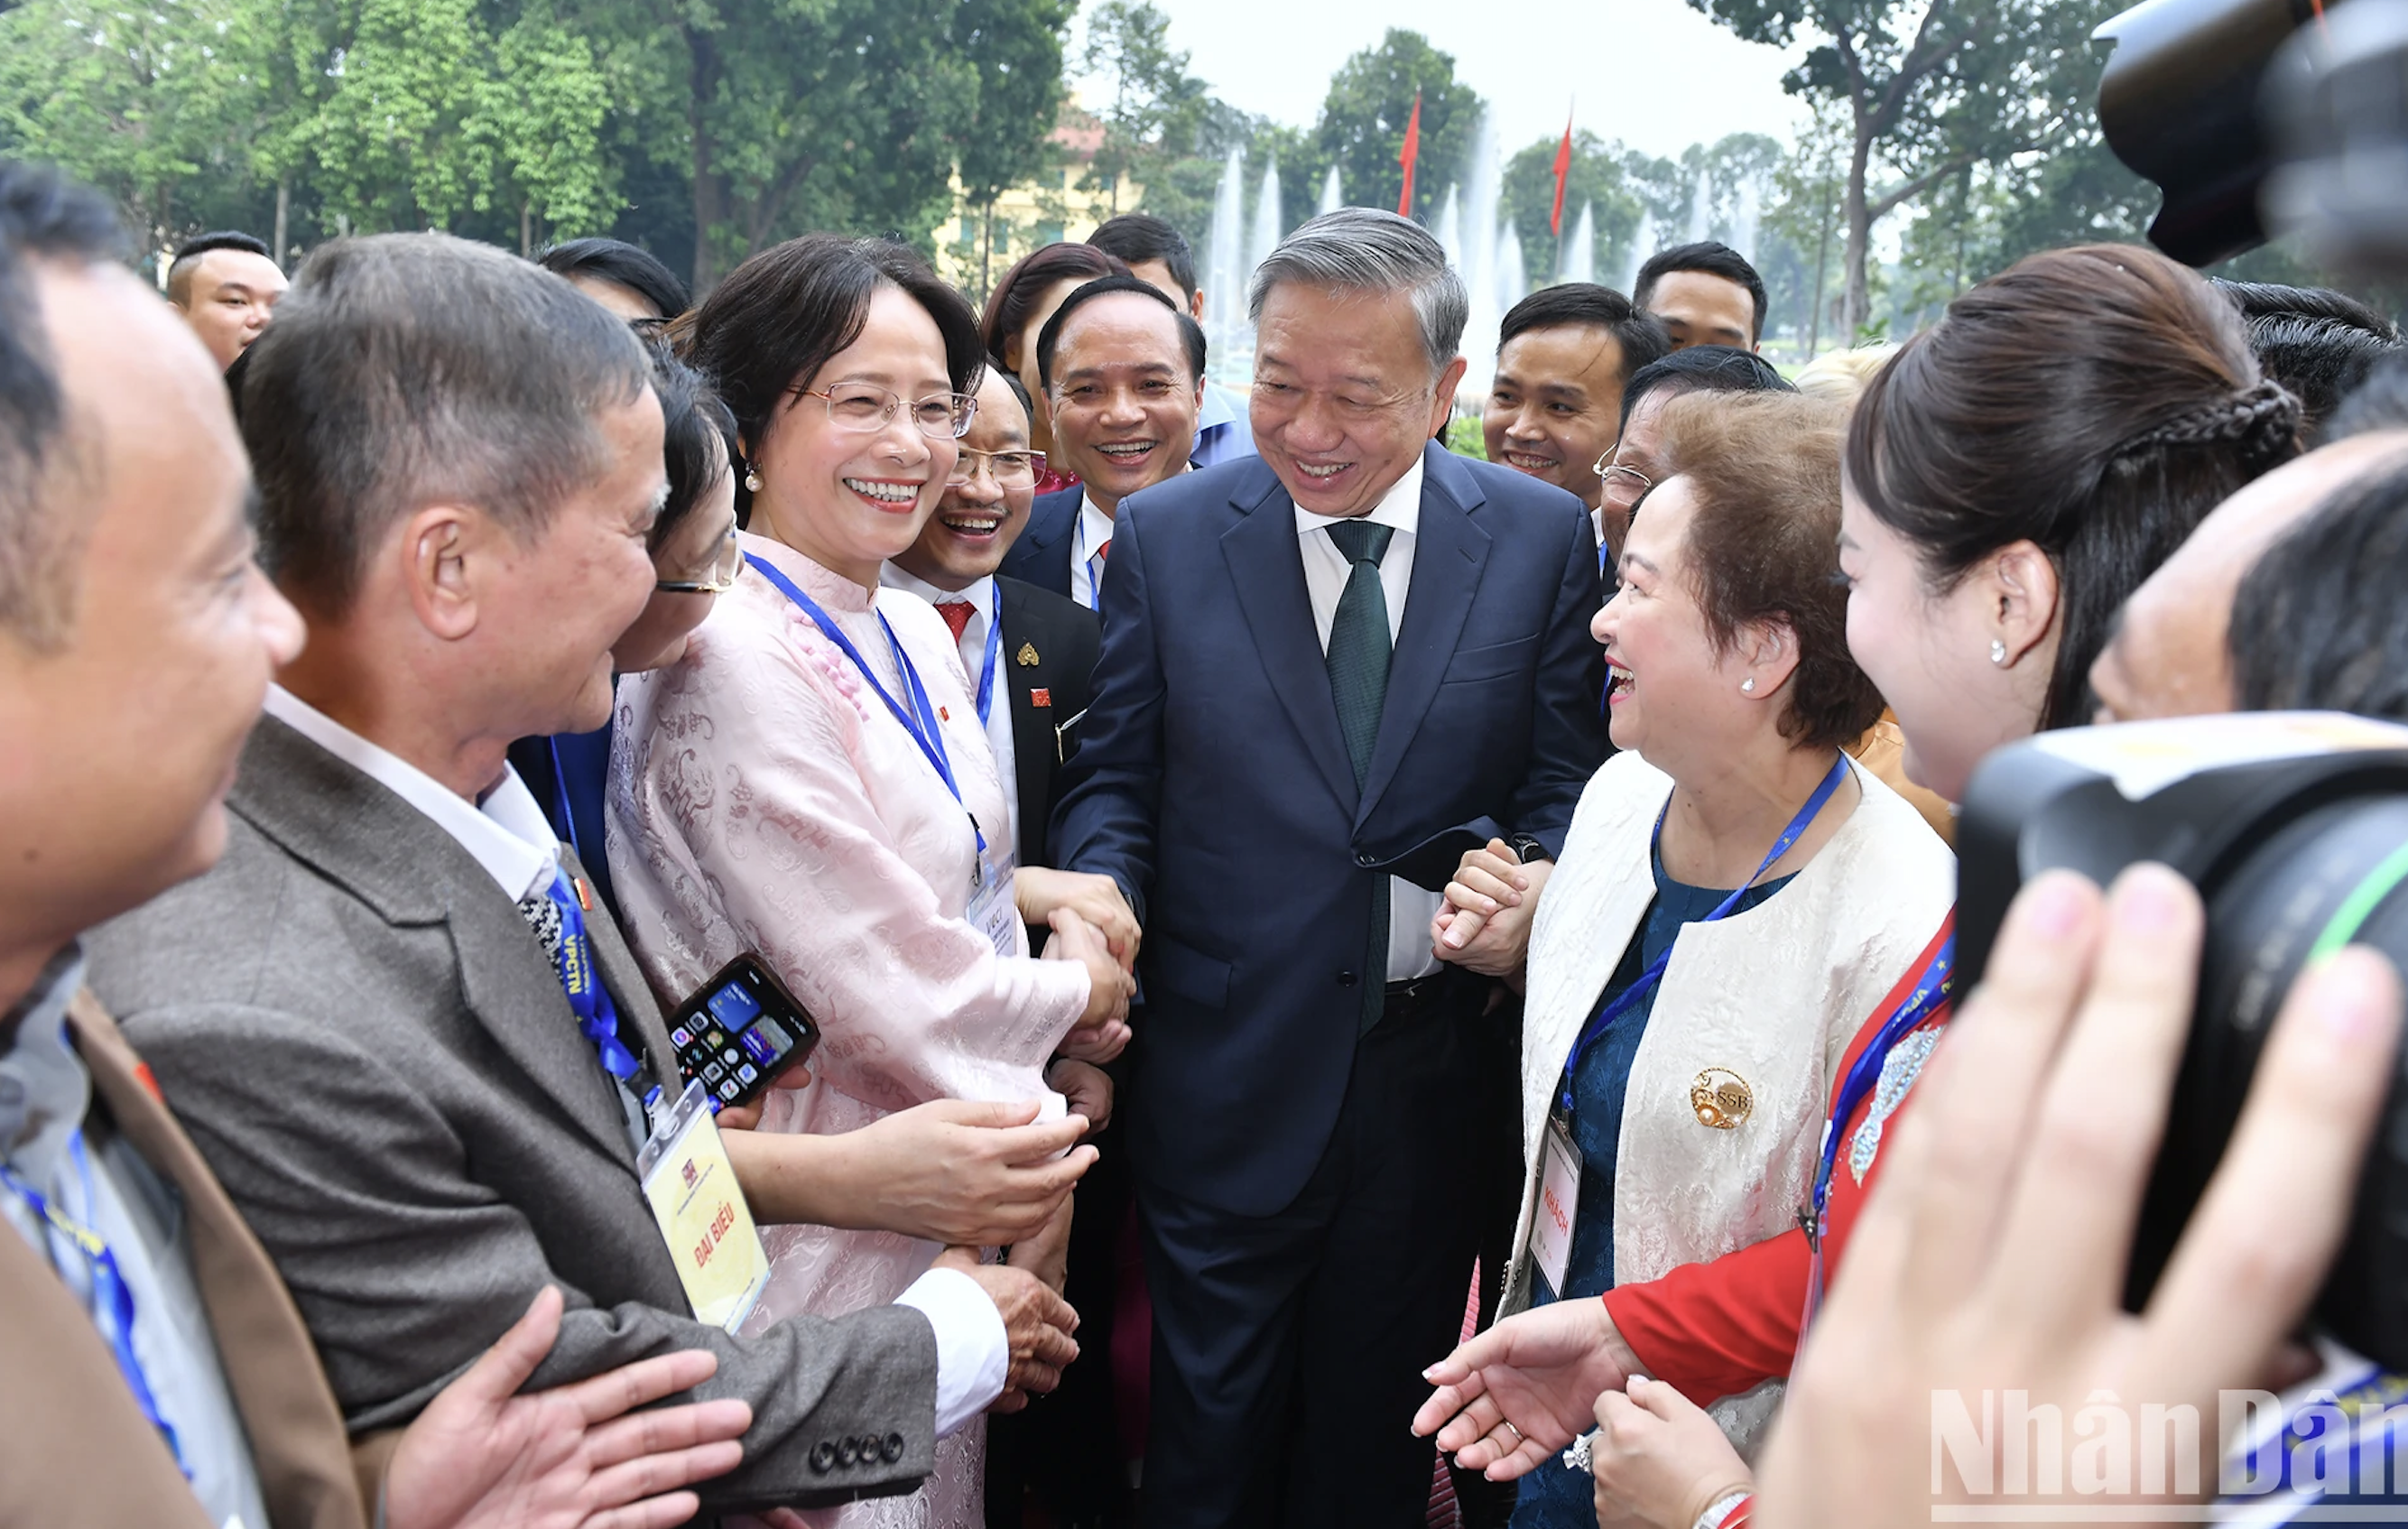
{"points": [[2011, 477]]}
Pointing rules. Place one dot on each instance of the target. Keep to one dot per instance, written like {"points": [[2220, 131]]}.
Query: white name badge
{"points": [[993, 909], [1551, 1227], [702, 1214]]}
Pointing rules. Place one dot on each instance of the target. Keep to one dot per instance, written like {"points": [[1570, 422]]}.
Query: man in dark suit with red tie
{"points": [[1124, 373], [1326, 673]]}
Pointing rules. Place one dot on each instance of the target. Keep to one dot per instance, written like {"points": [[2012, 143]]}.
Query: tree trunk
{"points": [[709, 195], [1858, 306], [526, 228], [1822, 269], [283, 214]]}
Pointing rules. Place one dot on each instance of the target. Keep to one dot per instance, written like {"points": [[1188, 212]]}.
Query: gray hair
{"points": [[410, 369], [1365, 249]]}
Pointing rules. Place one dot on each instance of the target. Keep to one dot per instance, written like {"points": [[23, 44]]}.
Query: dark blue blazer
{"points": [[1041, 556], [1213, 785]]}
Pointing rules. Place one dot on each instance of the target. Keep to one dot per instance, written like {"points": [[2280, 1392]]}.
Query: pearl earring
{"points": [[752, 480], [1748, 684], [1997, 649]]}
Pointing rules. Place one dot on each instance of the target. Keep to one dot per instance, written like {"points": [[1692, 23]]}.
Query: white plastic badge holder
{"points": [[993, 909], [702, 1214], [1551, 1224]]}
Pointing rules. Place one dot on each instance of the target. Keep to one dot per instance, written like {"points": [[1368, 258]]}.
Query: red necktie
{"points": [[957, 614], [1105, 552]]}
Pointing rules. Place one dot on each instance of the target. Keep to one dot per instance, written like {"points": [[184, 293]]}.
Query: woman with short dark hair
{"points": [[811, 782], [1735, 893]]}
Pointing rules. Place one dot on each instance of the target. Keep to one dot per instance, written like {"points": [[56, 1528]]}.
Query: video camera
{"points": [[2266, 116], [2294, 827]]}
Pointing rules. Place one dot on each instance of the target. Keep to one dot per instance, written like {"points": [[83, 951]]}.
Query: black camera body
{"points": [[2294, 827]]}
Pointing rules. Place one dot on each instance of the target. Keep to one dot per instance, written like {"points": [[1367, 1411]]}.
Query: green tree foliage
{"points": [[717, 125], [1363, 120], [1153, 108], [1597, 177], [1924, 88]]}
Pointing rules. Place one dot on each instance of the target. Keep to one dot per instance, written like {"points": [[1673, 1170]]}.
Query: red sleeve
{"points": [[1716, 1329]]}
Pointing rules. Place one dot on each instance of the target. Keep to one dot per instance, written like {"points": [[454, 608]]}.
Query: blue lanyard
{"points": [[560, 798], [596, 1015], [1930, 992], [994, 647], [112, 1298], [920, 720], [1628, 999]]}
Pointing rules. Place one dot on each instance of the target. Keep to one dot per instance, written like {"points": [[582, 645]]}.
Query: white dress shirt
{"points": [[1411, 908], [507, 834], [1087, 554], [986, 609]]}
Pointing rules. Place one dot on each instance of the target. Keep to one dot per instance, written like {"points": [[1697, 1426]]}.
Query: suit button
{"points": [[1366, 860], [848, 1452], [1347, 979], [892, 1447], [822, 1457]]}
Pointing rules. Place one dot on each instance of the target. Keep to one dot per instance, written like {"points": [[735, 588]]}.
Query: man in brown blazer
{"points": [[158, 1373]]}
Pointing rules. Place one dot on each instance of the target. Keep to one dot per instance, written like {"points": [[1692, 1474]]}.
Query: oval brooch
{"points": [[1721, 1099]]}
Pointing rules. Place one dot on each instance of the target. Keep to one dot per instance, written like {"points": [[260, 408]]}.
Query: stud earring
{"points": [[1998, 651], [752, 480], [1748, 684]]}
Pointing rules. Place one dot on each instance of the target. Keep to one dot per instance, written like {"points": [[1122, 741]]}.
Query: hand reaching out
{"points": [[591, 1456], [1525, 1388]]}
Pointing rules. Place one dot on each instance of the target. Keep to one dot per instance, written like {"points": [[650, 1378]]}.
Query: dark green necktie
{"points": [[1359, 648]]}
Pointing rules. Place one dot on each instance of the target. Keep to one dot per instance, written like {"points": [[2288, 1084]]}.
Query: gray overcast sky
{"points": [[1653, 73]]}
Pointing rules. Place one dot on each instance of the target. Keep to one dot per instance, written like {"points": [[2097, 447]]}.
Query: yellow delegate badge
{"points": [[702, 1213]]}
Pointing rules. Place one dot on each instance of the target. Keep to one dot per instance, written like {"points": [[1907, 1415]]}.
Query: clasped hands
{"points": [[1486, 926], [1091, 925], [1991, 1255]]}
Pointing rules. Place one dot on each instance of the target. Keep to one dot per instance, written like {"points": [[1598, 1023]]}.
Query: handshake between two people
{"points": [[1991, 1254]]}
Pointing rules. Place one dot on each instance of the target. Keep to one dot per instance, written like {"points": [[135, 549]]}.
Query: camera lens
{"points": [[2333, 875]]}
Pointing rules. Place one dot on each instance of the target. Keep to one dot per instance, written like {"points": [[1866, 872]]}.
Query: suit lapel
{"points": [[1267, 568], [296, 1434], [1450, 553], [389, 855], [1033, 759]]}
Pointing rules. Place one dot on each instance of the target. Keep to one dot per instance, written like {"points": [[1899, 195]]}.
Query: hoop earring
{"points": [[1998, 651], [1748, 684]]}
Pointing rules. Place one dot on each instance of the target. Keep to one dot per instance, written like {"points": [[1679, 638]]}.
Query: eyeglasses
{"points": [[719, 578], [863, 407], [1630, 481], [1010, 469]]}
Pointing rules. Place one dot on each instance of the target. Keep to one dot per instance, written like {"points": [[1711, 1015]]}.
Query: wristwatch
{"points": [[1528, 849]]}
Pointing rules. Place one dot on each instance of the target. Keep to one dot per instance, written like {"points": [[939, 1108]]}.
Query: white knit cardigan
{"points": [[1769, 998]]}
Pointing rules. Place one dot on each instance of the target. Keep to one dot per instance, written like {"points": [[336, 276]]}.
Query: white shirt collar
{"points": [[980, 595], [1400, 507], [506, 833]]}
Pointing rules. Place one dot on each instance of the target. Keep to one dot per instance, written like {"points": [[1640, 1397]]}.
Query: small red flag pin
{"points": [[1039, 695], [943, 715], [584, 898]]}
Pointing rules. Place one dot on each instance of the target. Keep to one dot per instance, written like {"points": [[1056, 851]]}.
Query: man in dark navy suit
{"points": [[1123, 370], [1326, 672]]}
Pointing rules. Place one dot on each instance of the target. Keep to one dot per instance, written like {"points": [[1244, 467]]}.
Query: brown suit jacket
{"points": [[74, 1449]]}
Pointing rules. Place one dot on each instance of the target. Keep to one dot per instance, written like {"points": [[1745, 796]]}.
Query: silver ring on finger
{"points": [[1507, 1423]]}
